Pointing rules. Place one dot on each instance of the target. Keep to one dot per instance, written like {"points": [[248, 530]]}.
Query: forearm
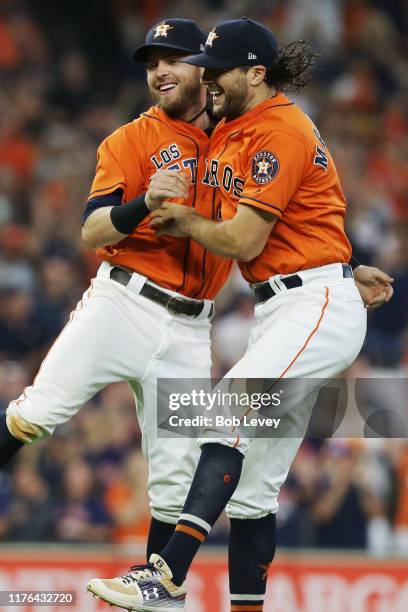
{"points": [[217, 237], [99, 231], [111, 224]]}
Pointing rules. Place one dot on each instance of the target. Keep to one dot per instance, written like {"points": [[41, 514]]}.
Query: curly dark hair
{"points": [[292, 69]]}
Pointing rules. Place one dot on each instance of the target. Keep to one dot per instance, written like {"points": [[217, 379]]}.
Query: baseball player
{"points": [[282, 211], [147, 313]]}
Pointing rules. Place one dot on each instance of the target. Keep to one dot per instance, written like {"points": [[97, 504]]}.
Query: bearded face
{"points": [[175, 87], [229, 92]]}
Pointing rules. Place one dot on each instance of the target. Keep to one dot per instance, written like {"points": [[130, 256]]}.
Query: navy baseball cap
{"points": [[178, 34], [237, 42]]}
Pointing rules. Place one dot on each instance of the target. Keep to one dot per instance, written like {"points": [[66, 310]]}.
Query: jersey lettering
{"points": [[321, 158], [174, 151], [167, 155], [238, 186], [206, 179], [191, 164], [156, 162], [227, 178], [214, 172], [319, 138]]}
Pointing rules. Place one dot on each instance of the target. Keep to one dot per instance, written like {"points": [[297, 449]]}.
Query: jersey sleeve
{"points": [[118, 167], [276, 167]]}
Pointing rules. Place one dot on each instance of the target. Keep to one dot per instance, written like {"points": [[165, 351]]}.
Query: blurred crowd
{"points": [[66, 83]]}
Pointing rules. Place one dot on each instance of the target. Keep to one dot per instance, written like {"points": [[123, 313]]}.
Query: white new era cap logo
{"points": [[252, 55]]}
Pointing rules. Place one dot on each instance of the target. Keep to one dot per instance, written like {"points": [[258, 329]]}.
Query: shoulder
{"points": [[132, 136], [286, 122], [124, 133]]}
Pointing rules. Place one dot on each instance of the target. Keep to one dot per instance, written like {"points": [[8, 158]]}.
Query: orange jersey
{"points": [[274, 159], [127, 159]]}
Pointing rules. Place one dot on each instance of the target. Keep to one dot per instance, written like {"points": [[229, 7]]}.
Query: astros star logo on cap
{"points": [[162, 29], [211, 37]]}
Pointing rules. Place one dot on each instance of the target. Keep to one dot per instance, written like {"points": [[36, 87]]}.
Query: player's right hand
{"points": [[166, 184], [374, 285]]}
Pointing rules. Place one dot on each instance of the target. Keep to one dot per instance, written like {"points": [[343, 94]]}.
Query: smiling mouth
{"points": [[215, 93], [166, 87]]}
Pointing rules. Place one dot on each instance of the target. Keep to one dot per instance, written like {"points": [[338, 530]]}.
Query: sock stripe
{"points": [[235, 598], [194, 526], [196, 520], [247, 608], [191, 532]]}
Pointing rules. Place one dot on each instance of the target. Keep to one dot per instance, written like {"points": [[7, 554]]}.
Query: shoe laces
{"points": [[140, 572]]}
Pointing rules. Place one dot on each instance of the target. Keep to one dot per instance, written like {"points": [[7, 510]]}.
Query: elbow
{"points": [[88, 238], [245, 248], [248, 252]]}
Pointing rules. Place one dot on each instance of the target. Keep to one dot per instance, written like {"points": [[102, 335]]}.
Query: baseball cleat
{"points": [[146, 587]]}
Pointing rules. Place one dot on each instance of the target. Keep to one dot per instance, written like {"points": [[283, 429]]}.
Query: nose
{"points": [[207, 77], [162, 68]]}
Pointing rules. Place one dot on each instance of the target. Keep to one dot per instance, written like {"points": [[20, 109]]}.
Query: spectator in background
{"points": [[81, 516], [343, 504], [31, 506], [387, 337], [230, 333], [294, 521], [23, 328], [127, 501], [59, 287], [16, 270], [13, 378]]}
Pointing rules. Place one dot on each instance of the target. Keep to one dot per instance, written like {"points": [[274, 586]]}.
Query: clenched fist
{"points": [[166, 184]]}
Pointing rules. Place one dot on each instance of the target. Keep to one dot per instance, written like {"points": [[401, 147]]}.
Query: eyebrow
{"points": [[168, 56]]}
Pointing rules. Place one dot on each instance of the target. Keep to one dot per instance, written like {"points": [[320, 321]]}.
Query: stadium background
{"points": [[67, 82]]}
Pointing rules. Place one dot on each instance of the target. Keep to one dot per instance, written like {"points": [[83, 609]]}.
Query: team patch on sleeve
{"points": [[265, 166]]}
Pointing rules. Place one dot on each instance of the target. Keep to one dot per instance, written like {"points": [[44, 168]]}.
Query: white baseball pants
{"points": [[313, 331], [115, 334]]}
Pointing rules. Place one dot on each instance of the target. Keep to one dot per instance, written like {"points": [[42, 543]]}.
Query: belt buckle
{"points": [[169, 304]]}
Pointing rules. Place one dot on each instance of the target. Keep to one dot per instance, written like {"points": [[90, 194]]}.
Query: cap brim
{"points": [[141, 54], [208, 61]]}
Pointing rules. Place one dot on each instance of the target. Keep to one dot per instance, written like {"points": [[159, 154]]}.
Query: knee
{"points": [[164, 515], [21, 429]]}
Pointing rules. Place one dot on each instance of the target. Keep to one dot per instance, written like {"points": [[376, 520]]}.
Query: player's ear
{"points": [[256, 75]]}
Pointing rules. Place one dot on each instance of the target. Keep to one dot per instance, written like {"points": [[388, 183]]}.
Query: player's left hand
{"points": [[374, 286], [170, 219]]}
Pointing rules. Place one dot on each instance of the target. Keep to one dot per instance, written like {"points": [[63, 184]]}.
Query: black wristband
{"points": [[354, 263], [128, 216]]}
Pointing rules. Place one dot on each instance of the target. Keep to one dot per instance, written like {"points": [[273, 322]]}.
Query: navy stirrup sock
{"points": [[215, 480], [9, 445]]}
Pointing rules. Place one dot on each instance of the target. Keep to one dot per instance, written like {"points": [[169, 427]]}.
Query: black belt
{"points": [[264, 291], [175, 305]]}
